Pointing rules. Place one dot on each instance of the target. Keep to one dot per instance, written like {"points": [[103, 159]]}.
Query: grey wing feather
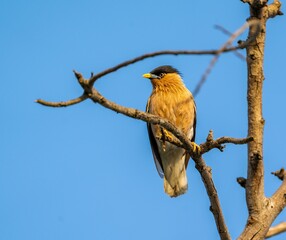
{"points": [[154, 146], [195, 123]]}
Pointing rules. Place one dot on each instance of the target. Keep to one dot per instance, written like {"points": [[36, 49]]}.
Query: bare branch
{"points": [[215, 207], [225, 31], [281, 174], [158, 53], [211, 143], [93, 77], [218, 143], [250, 23], [262, 210], [279, 197], [275, 230], [62, 104]]}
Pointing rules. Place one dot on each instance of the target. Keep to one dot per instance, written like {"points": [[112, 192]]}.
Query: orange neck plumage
{"points": [[172, 82]]}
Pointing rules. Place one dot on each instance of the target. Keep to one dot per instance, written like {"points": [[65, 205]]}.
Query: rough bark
{"points": [[262, 211]]}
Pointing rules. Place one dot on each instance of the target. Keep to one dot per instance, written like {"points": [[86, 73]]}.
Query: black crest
{"points": [[164, 69]]}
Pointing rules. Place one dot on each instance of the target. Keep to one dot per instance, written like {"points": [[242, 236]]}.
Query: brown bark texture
{"points": [[262, 211]]}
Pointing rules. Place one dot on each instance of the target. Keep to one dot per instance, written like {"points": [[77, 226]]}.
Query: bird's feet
{"points": [[165, 136], [196, 148]]}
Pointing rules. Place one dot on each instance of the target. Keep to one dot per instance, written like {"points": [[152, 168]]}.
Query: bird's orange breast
{"points": [[174, 102]]}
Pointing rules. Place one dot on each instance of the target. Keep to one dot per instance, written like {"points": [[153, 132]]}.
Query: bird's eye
{"points": [[162, 75]]}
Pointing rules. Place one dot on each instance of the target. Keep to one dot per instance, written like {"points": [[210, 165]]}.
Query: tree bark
{"points": [[262, 211]]}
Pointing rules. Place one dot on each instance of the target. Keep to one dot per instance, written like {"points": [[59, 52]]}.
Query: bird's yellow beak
{"points": [[149, 75]]}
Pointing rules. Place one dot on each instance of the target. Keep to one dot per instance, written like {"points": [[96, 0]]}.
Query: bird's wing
{"points": [[154, 146], [187, 158], [195, 123]]}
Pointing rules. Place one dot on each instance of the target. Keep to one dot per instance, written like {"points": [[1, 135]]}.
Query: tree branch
{"points": [[233, 36], [158, 53], [225, 31], [275, 230], [218, 143], [262, 211], [63, 104], [281, 174], [105, 72], [223, 49]]}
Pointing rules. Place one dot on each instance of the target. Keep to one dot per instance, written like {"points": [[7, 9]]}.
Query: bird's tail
{"points": [[176, 184]]}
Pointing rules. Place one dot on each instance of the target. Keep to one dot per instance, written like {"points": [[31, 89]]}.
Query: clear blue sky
{"points": [[84, 172]]}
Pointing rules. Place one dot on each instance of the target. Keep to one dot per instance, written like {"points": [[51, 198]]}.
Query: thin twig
{"points": [[225, 31], [93, 78], [218, 143], [62, 104], [275, 230], [281, 174], [225, 46], [158, 53]]}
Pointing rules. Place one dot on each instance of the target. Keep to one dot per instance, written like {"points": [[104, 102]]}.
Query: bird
{"points": [[171, 100]]}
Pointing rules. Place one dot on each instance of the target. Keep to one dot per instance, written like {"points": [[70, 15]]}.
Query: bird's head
{"points": [[164, 77]]}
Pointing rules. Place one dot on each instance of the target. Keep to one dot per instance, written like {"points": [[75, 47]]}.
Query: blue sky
{"points": [[84, 172]]}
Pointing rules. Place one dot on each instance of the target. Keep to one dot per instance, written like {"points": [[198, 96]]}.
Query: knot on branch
{"points": [[241, 44], [255, 158], [280, 174], [241, 181]]}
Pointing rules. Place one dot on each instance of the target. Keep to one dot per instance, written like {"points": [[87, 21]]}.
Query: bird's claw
{"points": [[165, 136], [196, 148]]}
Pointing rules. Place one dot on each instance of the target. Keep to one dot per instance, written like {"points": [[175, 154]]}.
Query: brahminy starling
{"points": [[171, 100]]}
